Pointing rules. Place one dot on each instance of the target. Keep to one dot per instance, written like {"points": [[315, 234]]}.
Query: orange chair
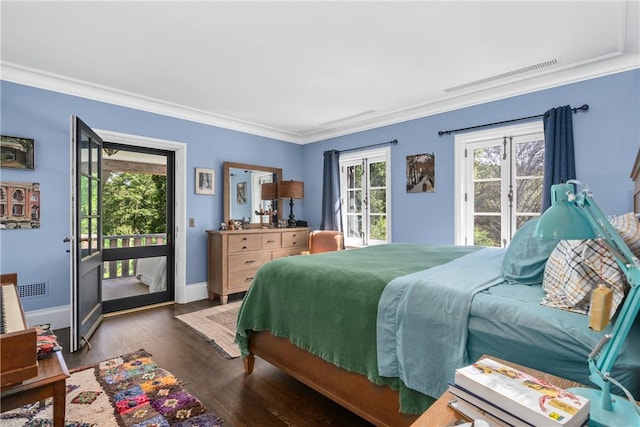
{"points": [[325, 241]]}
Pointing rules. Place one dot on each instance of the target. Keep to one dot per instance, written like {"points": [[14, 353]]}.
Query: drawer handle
{"points": [[250, 261], [244, 247], [244, 238], [248, 279], [271, 241], [294, 243]]}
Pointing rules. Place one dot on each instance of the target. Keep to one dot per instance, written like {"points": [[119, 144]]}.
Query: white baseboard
{"points": [[60, 317], [57, 317]]}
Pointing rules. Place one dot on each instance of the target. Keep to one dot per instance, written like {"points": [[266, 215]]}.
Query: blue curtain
{"points": [[331, 207], [559, 159]]}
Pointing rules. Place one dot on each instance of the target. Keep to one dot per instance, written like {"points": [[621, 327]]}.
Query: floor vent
{"points": [[512, 73], [32, 290]]}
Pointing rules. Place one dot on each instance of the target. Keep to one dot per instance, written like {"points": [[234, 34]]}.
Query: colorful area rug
{"points": [[218, 325], [125, 391]]}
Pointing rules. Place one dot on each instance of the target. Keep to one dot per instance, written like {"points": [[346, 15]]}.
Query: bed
{"points": [[360, 327]]}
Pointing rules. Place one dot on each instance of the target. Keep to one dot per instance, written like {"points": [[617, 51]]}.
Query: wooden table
{"points": [[441, 414], [50, 382]]}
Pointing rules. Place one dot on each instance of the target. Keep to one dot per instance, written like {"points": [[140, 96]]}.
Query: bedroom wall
{"points": [[39, 256], [606, 137]]}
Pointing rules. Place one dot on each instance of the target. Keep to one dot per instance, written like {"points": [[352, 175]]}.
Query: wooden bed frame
{"points": [[377, 404]]}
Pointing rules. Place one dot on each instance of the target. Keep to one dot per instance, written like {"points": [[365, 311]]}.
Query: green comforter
{"points": [[327, 304]]}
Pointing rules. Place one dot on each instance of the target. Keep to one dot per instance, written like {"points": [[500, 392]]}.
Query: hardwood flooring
{"points": [[267, 397]]}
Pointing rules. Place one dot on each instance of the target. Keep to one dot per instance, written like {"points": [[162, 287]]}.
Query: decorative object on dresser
{"points": [[501, 389], [576, 216], [291, 190], [234, 256]]}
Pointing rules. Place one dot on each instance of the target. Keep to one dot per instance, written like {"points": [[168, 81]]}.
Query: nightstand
{"points": [[441, 414]]}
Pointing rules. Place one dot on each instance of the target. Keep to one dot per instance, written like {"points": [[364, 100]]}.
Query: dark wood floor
{"points": [[268, 397]]}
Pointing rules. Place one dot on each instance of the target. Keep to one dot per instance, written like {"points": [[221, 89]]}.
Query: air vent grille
{"points": [[512, 73], [32, 290]]}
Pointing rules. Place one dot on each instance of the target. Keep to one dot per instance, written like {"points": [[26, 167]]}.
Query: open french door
{"points": [[86, 229]]}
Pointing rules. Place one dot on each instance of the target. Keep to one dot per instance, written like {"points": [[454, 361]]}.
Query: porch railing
{"points": [[127, 267]]}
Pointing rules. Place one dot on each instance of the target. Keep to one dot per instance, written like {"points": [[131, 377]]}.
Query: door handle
{"points": [[66, 240]]}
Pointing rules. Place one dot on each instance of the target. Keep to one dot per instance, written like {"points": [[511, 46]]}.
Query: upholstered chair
{"points": [[325, 241]]}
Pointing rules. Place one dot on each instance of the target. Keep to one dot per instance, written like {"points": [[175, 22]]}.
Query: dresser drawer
{"points": [[241, 280], [245, 242], [294, 239], [271, 241], [247, 261]]}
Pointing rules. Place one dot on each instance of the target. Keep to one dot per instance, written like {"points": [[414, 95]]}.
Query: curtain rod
{"points": [[584, 107], [394, 142]]}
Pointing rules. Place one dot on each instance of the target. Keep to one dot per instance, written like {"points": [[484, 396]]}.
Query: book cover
{"points": [[486, 406], [531, 399]]}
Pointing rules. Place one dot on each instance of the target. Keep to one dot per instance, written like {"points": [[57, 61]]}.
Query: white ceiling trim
{"points": [[610, 64], [44, 80]]}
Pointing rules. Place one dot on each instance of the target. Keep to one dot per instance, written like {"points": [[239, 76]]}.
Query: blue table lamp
{"points": [[577, 216]]}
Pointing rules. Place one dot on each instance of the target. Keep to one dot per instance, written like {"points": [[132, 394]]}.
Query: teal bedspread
{"points": [[327, 304], [422, 320]]}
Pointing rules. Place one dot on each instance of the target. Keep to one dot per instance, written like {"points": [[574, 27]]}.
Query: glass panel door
{"points": [[137, 212]]}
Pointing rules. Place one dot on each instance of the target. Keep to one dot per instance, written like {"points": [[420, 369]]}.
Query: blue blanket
{"points": [[422, 320]]}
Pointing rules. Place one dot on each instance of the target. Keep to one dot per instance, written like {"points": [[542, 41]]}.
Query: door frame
{"points": [[180, 197]]}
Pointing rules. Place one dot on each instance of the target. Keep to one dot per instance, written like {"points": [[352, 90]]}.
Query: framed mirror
{"points": [[242, 192]]}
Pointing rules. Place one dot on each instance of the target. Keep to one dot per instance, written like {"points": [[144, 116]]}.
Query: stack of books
{"points": [[502, 396]]}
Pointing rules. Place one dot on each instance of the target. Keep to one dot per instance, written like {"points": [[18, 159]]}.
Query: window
{"points": [[500, 175], [365, 191]]}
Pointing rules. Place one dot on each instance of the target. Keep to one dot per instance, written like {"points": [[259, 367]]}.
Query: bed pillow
{"points": [[575, 267], [526, 256]]}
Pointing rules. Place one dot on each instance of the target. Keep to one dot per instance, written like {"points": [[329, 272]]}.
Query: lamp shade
{"points": [[291, 189], [564, 219], [269, 191]]}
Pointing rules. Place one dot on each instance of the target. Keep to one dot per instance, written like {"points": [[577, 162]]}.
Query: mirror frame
{"points": [[227, 190]]}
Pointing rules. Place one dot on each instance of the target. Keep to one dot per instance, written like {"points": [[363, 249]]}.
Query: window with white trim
{"points": [[365, 188], [499, 175]]}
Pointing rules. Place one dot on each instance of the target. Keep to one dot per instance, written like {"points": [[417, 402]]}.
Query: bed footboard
{"points": [[377, 404]]}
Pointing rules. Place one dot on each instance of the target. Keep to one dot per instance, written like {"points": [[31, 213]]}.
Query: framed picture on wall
{"points": [[205, 181], [16, 152], [421, 173]]}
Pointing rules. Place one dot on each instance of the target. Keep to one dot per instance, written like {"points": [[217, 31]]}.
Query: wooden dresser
{"points": [[236, 255]]}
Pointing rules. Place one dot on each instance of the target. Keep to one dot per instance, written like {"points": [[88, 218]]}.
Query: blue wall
{"points": [[39, 256], [607, 138]]}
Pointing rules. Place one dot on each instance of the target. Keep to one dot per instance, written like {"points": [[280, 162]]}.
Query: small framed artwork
{"points": [[205, 181], [19, 205], [241, 198], [16, 152], [421, 173]]}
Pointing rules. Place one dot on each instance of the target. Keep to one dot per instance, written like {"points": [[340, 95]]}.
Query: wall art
{"points": [[16, 152], [421, 173], [19, 205], [205, 181]]}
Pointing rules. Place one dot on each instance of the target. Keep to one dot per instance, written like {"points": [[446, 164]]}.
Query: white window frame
{"points": [[462, 178], [377, 154]]}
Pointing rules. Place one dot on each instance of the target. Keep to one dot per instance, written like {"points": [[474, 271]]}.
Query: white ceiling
{"points": [[307, 71]]}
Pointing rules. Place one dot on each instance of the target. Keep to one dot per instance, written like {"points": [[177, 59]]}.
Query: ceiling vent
{"points": [[512, 73]]}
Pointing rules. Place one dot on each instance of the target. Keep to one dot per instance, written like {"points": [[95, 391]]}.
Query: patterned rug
{"points": [[126, 391], [218, 325]]}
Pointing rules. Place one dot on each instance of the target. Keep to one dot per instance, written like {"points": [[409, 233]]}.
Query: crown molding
{"points": [[612, 64], [608, 65], [44, 80]]}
